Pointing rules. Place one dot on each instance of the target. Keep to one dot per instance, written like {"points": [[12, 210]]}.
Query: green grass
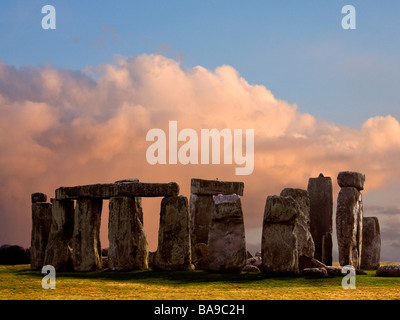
{"points": [[20, 282]]}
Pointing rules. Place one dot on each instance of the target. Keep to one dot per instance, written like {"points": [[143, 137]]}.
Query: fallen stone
{"points": [[389, 271], [128, 248], [41, 224], [321, 214], [226, 238], [38, 197], [199, 256], [86, 248], [248, 254], [334, 271], [258, 254], [349, 216], [361, 272], [315, 272], [250, 268], [216, 187], [58, 249], [201, 207], [351, 179], [371, 244], [173, 252], [127, 189]]}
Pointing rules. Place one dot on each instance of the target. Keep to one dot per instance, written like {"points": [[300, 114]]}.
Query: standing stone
{"points": [[279, 242], [371, 243], [58, 249], [349, 216], [305, 243], [327, 246], [173, 252], [201, 207], [41, 224], [321, 215], [86, 248], [226, 238], [199, 256], [287, 245], [128, 248]]}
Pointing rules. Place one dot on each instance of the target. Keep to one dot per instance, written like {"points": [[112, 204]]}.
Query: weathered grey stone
{"points": [[258, 254], [305, 243], [173, 251], [250, 268], [41, 224], [371, 243], [128, 248], [201, 207], [279, 242], [327, 246], [349, 216], [334, 271], [38, 197], [389, 271], [127, 181], [152, 259], [287, 245], [104, 262], [351, 179], [248, 255], [58, 249], [226, 238], [86, 248], [315, 272], [127, 189], [321, 214], [199, 256], [216, 187]]}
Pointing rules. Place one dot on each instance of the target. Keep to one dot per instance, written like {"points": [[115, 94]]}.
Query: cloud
{"points": [[62, 127]]}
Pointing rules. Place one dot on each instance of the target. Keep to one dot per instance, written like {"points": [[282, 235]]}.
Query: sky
{"points": [[77, 102]]}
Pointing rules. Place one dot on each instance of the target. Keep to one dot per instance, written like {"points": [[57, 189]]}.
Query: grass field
{"points": [[22, 283]]}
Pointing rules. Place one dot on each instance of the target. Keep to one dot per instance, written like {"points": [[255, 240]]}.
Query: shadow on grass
{"points": [[149, 276]]}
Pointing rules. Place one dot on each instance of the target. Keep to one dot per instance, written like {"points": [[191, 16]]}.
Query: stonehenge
{"points": [[321, 216], [207, 232], [202, 206], [349, 218], [371, 243], [287, 246]]}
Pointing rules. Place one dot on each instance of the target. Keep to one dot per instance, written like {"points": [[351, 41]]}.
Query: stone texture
{"points": [[250, 268], [279, 243], [327, 246], [321, 214], [125, 188], [86, 248], [287, 245], [226, 238], [216, 187], [173, 252], [128, 248], [349, 216], [305, 243], [315, 272], [389, 271], [152, 259], [201, 207], [199, 256], [41, 224], [371, 243], [38, 197], [58, 249], [351, 179]]}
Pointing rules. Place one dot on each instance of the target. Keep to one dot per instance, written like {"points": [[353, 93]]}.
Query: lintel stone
{"points": [[216, 187]]}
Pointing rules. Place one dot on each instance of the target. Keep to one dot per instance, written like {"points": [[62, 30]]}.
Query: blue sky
{"points": [[297, 49]]}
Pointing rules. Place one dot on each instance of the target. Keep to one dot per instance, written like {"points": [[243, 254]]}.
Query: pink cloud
{"points": [[59, 127]]}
